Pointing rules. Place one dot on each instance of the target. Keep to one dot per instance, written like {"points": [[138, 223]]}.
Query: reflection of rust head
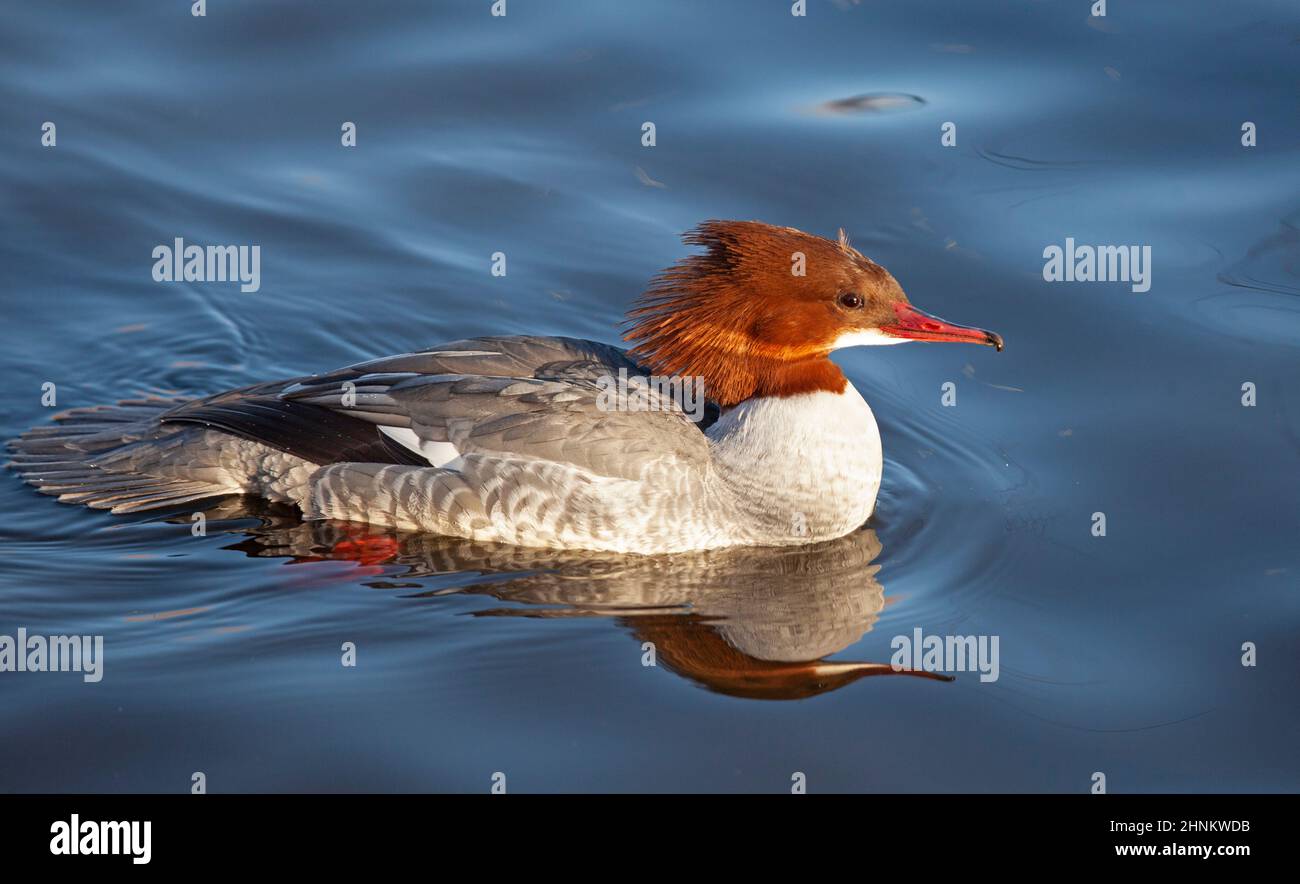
{"points": [[691, 647]]}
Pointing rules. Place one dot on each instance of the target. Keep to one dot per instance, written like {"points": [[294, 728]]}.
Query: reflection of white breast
{"points": [[803, 467]]}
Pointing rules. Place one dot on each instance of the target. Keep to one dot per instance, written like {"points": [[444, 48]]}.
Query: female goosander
{"points": [[513, 439]]}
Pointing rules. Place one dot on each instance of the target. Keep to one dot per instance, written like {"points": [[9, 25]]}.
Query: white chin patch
{"points": [[871, 337]]}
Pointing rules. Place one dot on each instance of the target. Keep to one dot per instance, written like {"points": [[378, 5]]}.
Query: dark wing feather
{"points": [[320, 435]]}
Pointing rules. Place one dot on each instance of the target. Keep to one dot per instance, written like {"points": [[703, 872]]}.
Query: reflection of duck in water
{"points": [[750, 622]]}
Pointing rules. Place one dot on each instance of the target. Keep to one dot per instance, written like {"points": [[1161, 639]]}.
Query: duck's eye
{"points": [[852, 300]]}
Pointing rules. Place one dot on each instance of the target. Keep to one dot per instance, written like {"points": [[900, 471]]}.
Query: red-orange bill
{"points": [[917, 325]]}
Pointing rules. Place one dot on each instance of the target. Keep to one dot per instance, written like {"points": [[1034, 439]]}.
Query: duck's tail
{"points": [[118, 458]]}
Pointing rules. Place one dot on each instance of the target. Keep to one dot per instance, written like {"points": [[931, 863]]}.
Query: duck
{"points": [[515, 440]]}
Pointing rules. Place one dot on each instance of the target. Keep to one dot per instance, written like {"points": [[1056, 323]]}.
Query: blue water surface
{"points": [[522, 134]]}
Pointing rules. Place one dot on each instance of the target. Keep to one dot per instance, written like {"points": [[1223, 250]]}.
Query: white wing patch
{"points": [[438, 454]]}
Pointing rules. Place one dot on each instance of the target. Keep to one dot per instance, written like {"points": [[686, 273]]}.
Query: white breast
{"points": [[800, 468]]}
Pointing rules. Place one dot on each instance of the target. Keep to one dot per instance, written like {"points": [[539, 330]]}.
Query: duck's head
{"points": [[761, 310]]}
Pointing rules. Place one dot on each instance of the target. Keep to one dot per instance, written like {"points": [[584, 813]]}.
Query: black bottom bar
{"points": [[218, 831]]}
